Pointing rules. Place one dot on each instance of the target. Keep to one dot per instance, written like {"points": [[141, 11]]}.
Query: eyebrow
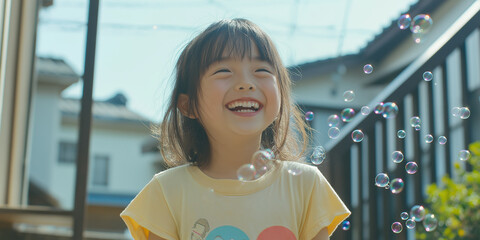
{"points": [[257, 58]]}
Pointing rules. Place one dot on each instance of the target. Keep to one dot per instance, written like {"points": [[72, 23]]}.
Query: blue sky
{"points": [[139, 40]]}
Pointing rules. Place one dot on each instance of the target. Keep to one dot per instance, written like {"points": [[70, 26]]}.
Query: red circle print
{"points": [[277, 233]]}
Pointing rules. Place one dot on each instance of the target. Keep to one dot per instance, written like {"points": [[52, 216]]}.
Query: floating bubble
{"points": [[357, 135], [379, 108], [455, 111], [442, 140], [333, 132], [418, 127], [414, 121], [427, 76], [348, 96], [368, 68], [401, 134], [365, 110], [309, 116], [417, 213], [404, 215], [318, 155], [397, 157], [346, 225], [261, 161], [396, 185], [464, 113], [269, 154], [421, 23], [246, 172], [410, 223], [294, 170], [397, 227], [464, 155], [417, 37], [333, 120], [411, 167], [347, 114], [381, 180], [390, 110], [430, 222], [404, 21], [428, 138]]}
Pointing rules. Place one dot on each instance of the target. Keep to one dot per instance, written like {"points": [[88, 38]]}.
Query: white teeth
{"points": [[245, 104]]}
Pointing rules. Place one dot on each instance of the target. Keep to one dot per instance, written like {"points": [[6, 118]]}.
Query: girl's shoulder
{"points": [[173, 173], [300, 169]]}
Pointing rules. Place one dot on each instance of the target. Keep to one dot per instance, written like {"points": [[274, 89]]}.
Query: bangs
{"points": [[235, 40]]}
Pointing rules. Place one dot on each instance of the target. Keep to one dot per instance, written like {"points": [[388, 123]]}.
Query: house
{"points": [[450, 50], [118, 166]]}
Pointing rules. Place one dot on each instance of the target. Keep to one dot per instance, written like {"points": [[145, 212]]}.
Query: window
{"points": [[67, 152], [100, 170]]}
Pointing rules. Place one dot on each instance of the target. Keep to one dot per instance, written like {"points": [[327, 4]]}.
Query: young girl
{"points": [[232, 98]]}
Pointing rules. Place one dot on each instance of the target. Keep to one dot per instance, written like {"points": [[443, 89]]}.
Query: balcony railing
{"points": [[353, 166]]}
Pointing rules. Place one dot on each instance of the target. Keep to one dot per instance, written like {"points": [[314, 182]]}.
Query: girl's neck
{"points": [[227, 156]]}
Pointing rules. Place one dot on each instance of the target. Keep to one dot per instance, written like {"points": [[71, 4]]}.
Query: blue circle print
{"points": [[227, 233]]}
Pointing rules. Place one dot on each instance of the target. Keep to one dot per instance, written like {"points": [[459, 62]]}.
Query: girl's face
{"points": [[238, 96]]}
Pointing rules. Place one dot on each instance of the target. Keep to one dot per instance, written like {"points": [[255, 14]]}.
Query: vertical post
{"points": [[85, 120]]}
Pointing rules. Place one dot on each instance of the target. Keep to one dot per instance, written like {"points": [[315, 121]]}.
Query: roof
{"points": [[111, 110], [374, 51], [55, 71]]}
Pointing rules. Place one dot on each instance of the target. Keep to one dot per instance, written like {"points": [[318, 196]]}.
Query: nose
{"points": [[244, 86]]}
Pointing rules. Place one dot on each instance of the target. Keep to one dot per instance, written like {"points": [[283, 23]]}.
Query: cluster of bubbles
{"points": [[387, 110], [461, 112], [261, 162], [417, 214], [419, 25]]}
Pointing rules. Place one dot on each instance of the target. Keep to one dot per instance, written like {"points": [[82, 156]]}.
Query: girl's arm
{"points": [[322, 235], [152, 236]]}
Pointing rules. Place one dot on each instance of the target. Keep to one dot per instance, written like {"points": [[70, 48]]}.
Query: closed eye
{"points": [[263, 70], [223, 70]]}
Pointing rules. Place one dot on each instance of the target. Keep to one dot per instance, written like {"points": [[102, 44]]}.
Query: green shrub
{"points": [[456, 204]]}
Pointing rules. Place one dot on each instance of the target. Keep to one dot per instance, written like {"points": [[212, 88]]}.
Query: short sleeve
{"points": [[149, 212], [324, 209]]}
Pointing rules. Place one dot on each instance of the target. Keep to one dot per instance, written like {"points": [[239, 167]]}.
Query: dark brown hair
{"points": [[183, 139]]}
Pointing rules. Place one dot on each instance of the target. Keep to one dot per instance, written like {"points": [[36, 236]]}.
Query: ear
{"points": [[182, 105]]}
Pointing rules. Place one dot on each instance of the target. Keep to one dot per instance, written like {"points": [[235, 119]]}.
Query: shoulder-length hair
{"points": [[183, 139]]}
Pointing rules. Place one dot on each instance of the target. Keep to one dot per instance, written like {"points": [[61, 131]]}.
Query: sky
{"points": [[138, 41]]}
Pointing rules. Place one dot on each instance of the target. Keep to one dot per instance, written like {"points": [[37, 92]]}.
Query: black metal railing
{"points": [[353, 166]]}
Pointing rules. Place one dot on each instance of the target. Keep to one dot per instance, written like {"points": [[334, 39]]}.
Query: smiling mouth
{"points": [[244, 106]]}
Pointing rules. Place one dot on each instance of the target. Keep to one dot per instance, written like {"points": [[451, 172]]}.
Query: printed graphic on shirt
{"points": [[276, 232], [227, 233], [200, 229]]}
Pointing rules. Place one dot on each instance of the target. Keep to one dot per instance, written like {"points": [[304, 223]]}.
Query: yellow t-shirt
{"points": [[291, 201]]}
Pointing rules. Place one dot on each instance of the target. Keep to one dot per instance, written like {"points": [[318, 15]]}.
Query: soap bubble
{"points": [[418, 127], [464, 155], [390, 110], [401, 134], [379, 108], [333, 120], [404, 215], [365, 110], [357, 135], [261, 161], [397, 157], [411, 167], [418, 213], [397, 227], [348, 96], [318, 155], [427, 76], [396, 185], [428, 138], [430, 222], [404, 21], [382, 180], [309, 116], [294, 170], [442, 140], [414, 121], [455, 111], [410, 223], [421, 23], [346, 225], [246, 172], [464, 113], [333, 132], [347, 114], [368, 68]]}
